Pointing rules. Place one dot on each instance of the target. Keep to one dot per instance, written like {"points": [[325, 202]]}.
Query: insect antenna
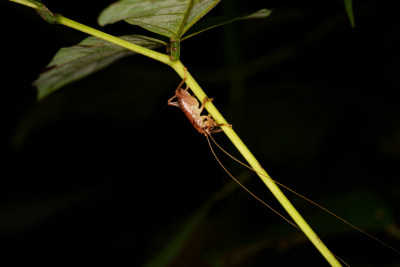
{"points": [[300, 195], [245, 188], [248, 191]]}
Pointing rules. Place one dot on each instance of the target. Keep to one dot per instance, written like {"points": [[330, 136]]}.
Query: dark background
{"points": [[104, 173]]}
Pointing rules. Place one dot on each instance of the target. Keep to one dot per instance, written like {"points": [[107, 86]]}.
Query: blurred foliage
{"points": [[348, 4], [315, 99]]}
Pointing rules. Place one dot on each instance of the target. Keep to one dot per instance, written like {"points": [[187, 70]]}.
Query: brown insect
{"points": [[190, 107]]}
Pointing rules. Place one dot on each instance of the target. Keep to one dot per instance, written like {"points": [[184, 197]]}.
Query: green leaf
{"points": [[348, 4], [171, 18], [76, 62], [210, 23]]}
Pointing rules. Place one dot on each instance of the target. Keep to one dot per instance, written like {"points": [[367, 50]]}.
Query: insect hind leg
{"points": [[213, 126]]}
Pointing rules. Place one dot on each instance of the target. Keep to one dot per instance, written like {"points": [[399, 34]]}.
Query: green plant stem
{"points": [[115, 40], [194, 86]]}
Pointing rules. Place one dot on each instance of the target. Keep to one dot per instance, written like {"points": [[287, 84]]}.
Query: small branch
{"points": [[115, 40]]}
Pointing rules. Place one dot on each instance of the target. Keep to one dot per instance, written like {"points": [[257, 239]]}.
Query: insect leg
{"points": [[212, 124], [170, 103], [176, 104], [205, 100]]}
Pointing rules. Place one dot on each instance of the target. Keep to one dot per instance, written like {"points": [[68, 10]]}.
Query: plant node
{"points": [[47, 15]]}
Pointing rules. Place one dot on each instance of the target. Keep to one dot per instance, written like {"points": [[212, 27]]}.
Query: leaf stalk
{"points": [[115, 40]]}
